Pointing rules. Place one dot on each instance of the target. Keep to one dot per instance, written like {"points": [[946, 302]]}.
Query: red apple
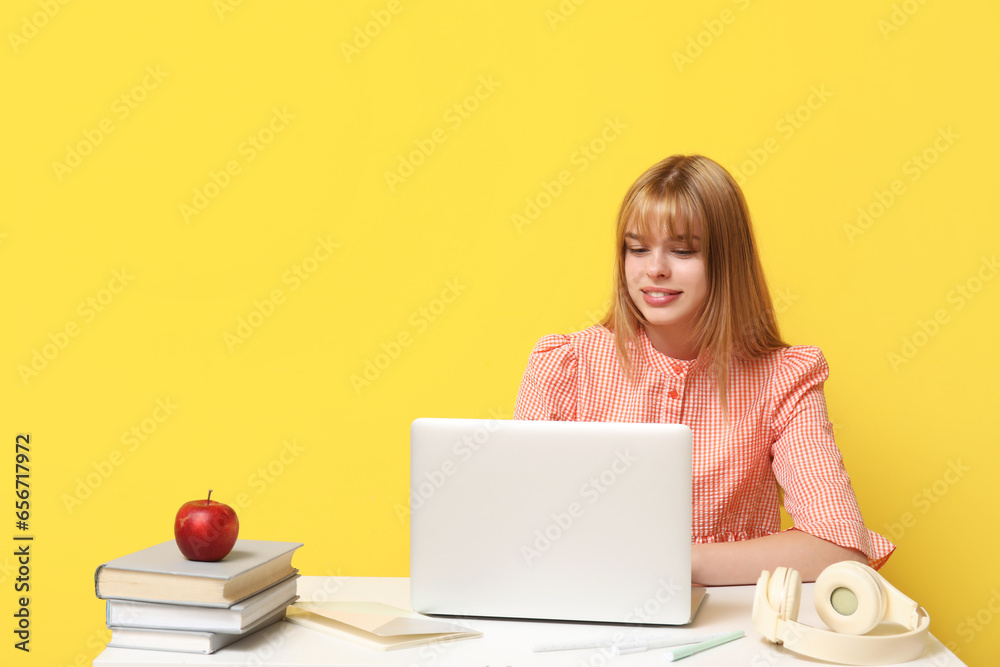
{"points": [[204, 530]]}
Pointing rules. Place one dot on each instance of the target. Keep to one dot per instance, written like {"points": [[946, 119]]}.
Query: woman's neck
{"points": [[676, 345]]}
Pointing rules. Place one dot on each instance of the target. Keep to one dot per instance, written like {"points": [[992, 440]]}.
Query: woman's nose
{"points": [[658, 266]]}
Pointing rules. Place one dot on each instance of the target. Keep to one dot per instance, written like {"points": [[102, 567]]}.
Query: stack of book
{"points": [[159, 600]]}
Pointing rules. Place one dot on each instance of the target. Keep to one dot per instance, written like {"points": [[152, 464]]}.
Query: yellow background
{"points": [[236, 339]]}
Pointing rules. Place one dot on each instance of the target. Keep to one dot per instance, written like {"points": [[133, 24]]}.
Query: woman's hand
{"points": [[731, 563]]}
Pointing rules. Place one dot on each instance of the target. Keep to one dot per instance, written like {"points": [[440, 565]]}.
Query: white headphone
{"points": [[852, 599]]}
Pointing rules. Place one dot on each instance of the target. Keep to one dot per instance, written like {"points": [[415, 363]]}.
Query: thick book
{"points": [[162, 574], [375, 625], [185, 641], [238, 618]]}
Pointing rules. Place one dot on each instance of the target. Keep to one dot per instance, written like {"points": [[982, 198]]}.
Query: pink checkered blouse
{"points": [[778, 432]]}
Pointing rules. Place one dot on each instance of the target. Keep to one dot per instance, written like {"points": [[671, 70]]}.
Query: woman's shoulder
{"points": [[801, 356], [557, 374], [576, 343], [569, 351], [795, 364]]}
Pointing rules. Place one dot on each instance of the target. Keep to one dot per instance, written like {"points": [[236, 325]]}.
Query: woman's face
{"points": [[667, 281]]}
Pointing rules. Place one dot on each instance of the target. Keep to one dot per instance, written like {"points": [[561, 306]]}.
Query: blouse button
{"points": [[672, 393]]}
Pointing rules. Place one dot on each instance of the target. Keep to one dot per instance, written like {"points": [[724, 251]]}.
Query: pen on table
{"points": [[686, 651], [637, 646], [572, 645], [621, 645]]}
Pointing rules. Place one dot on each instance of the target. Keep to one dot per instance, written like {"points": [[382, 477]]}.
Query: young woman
{"points": [[691, 338]]}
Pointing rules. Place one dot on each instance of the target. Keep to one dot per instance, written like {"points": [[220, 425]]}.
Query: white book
{"points": [[162, 574], [184, 641], [239, 617]]}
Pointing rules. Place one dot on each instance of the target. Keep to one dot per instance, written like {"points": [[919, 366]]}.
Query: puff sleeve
{"points": [[807, 463], [549, 386]]}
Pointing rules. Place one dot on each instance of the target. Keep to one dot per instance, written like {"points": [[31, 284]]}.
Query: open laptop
{"points": [[571, 521]]}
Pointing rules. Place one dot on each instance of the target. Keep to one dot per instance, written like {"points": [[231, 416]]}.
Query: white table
{"points": [[504, 643]]}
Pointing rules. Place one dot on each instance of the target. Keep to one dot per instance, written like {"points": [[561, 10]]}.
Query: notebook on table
{"points": [[572, 521]]}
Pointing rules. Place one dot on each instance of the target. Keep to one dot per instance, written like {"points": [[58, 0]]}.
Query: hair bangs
{"points": [[660, 209]]}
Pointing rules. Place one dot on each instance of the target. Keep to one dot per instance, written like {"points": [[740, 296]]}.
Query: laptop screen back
{"points": [[579, 521]]}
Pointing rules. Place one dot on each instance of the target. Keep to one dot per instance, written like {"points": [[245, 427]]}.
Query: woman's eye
{"points": [[636, 250], [684, 252]]}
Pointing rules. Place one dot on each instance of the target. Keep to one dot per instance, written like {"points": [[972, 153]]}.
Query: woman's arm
{"points": [[809, 467], [730, 563]]}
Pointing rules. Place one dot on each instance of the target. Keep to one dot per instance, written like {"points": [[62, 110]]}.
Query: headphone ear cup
{"points": [[785, 592], [849, 598]]}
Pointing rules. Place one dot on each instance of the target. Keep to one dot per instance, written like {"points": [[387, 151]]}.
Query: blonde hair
{"points": [[737, 319]]}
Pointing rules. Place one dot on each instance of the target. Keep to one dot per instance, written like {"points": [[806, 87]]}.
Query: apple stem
{"points": [[208, 501]]}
